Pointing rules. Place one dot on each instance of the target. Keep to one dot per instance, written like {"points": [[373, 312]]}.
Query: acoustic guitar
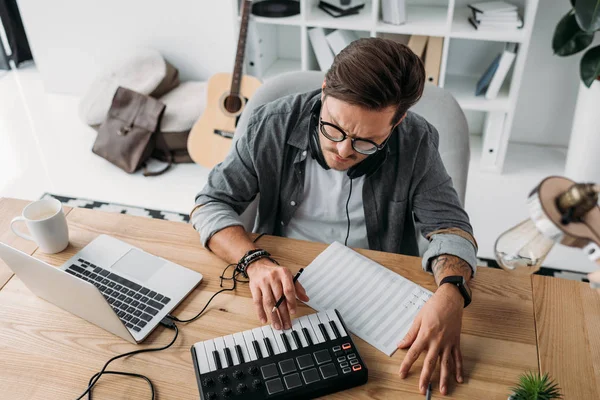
{"points": [[211, 136]]}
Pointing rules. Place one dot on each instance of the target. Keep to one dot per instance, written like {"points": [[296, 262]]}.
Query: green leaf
{"points": [[588, 14], [569, 38], [590, 66], [535, 387]]}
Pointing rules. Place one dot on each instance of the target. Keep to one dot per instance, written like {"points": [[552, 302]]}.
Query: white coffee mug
{"points": [[47, 225]]}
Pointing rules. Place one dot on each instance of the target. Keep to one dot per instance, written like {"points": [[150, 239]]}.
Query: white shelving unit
{"points": [[279, 45]]}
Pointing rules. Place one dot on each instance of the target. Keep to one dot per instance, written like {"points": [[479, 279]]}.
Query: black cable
{"points": [[234, 277], [126, 374], [348, 214], [166, 322]]}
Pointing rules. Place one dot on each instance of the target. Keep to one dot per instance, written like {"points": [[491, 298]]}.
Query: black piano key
{"points": [[228, 357], [297, 339], [336, 332], [324, 331], [270, 352], [257, 349], [307, 336], [286, 342], [238, 351], [217, 359]]}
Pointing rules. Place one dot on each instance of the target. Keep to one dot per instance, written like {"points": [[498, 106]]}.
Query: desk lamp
{"points": [[560, 211]]}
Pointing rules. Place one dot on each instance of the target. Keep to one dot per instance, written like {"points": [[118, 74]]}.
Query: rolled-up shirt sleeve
{"points": [[451, 244], [211, 218]]}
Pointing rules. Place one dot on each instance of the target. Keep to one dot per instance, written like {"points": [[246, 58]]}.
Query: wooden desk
{"points": [[47, 353], [567, 317]]}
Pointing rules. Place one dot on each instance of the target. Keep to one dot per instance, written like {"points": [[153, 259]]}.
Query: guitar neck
{"points": [[241, 48]]}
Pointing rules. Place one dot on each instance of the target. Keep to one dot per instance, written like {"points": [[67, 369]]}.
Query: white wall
{"points": [[72, 40], [544, 112]]}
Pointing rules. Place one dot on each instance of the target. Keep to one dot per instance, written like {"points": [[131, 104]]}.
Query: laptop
{"points": [[109, 283]]}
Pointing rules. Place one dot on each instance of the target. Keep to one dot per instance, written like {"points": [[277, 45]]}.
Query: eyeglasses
{"points": [[362, 146]]}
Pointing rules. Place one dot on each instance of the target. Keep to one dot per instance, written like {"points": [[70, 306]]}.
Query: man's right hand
{"points": [[268, 282]]}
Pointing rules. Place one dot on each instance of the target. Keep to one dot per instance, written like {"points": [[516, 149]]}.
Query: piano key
{"points": [[240, 341], [336, 332], [305, 322], [228, 356], [286, 342], [269, 347], [334, 317], [324, 318], [290, 338], [239, 354], [209, 345], [324, 332], [307, 336], [257, 349], [297, 327], [230, 344], [217, 359], [249, 339], [202, 358], [259, 336], [268, 332], [296, 338], [220, 347], [277, 335], [314, 321]]}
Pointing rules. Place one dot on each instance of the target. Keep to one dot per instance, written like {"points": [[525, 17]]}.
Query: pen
{"points": [[428, 394], [283, 296]]}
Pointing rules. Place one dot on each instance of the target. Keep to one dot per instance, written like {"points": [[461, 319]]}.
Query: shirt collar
{"points": [[299, 135]]}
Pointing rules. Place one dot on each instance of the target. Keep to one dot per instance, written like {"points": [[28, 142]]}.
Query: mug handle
{"points": [[16, 232]]}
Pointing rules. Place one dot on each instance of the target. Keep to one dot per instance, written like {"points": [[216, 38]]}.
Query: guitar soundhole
{"points": [[233, 104]]}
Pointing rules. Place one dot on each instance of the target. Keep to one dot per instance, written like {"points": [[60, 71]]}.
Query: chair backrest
{"points": [[437, 106]]}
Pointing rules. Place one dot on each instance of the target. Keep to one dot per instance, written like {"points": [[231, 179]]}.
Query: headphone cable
{"points": [[348, 214]]}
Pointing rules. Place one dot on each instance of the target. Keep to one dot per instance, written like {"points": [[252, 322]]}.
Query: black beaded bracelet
{"points": [[250, 257]]}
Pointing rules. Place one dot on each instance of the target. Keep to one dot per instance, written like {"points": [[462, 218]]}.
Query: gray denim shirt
{"points": [[411, 187]]}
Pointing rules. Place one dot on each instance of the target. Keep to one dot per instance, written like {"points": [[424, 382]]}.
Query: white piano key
{"points": [[202, 358], [220, 347], [314, 321], [305, 322], [277, 334], [230, 343], [333, 316], [297, 326], [249, 338], [209, 345], [288, 334], [239, 340], [325, 321], [259, 336], [268, 332]]}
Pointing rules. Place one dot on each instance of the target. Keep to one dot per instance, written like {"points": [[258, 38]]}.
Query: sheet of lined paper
{"points": [[377, 305]]}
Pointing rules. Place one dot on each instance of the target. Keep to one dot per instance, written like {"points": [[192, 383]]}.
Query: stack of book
{"points": [[341, 8], [495, 15]]}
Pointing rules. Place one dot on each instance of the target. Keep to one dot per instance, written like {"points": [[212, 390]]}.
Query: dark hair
{"points": [[376, 73]]}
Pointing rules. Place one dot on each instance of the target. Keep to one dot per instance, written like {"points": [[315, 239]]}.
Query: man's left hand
{"points": [[436, 329]]}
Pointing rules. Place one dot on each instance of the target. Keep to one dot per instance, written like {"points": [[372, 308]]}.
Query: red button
{"points": [[356, 367], [346, 346]]}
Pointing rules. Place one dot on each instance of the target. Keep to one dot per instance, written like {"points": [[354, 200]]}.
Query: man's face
{"points": [[356, 122]]}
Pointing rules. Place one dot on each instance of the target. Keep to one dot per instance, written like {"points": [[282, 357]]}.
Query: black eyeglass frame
{"points": [[376, 147]]}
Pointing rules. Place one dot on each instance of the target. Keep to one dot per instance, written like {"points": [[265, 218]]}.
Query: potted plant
{"points": [[573, 34], [532, 386]]}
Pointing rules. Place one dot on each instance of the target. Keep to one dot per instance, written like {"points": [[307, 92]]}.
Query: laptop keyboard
{"points": [[134, 304]]}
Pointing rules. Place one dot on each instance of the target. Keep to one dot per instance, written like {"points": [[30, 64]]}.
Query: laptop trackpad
{"points": [[138, 265]]}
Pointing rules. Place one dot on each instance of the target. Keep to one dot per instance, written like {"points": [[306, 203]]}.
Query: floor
{"points": [[44, 147]]}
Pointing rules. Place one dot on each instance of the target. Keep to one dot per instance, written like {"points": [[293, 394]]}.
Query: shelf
{"points": [[463, 90], [420, 20], [295, 20], [361, 21], [280, 66], [462, 28]]}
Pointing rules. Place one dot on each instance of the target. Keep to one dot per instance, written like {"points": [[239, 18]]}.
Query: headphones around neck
{"points": [[367, 167]]}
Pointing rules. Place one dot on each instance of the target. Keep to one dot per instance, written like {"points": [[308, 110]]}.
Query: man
{"points": [[348, 163]]}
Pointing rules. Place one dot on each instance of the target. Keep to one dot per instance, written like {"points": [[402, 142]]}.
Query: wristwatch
{"points": [[459, 282]]}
